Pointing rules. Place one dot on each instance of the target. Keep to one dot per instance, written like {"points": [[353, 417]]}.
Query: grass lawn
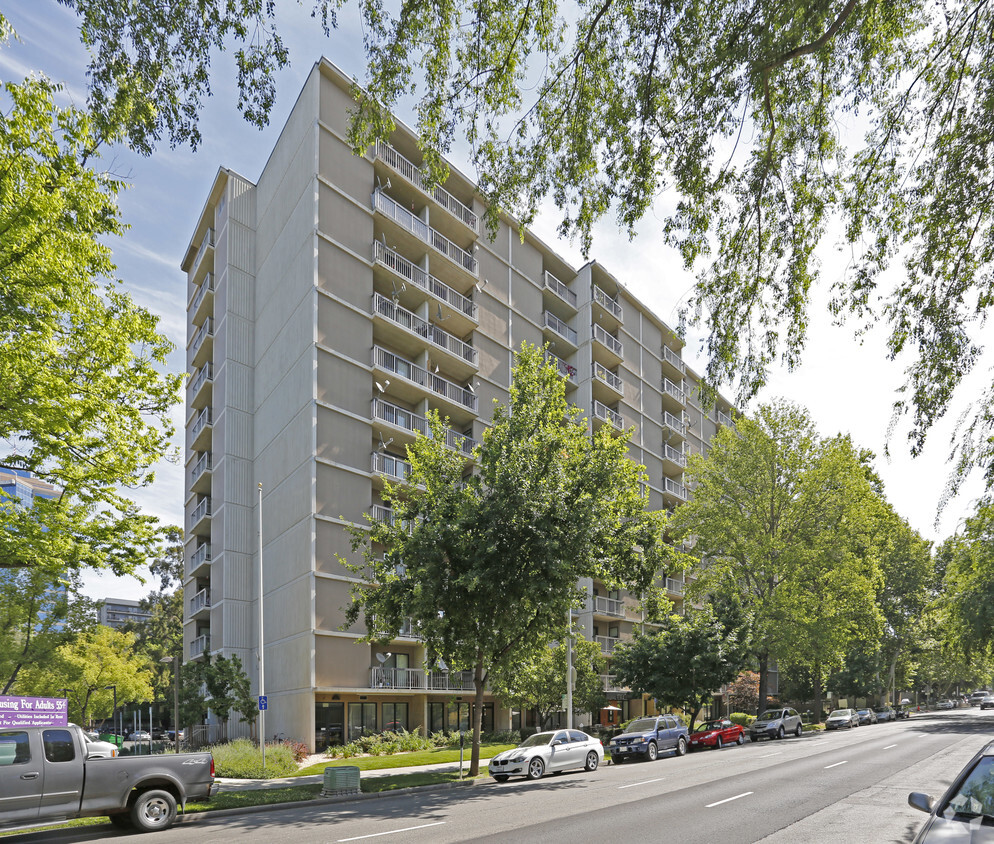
{"points": [[405, 760]]}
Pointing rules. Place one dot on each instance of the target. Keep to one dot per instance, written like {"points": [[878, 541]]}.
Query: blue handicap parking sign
{"points": [[263, 703]]}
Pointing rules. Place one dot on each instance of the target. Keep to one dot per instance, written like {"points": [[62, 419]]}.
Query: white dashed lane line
{"points": [[768, 755], [644, 782], [836, 765], [392, 831], [889, 746], [728, 799]]}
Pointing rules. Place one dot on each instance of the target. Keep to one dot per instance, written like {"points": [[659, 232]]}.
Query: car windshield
{"points": [[641, 726], [769, 715], [882, 708], [537, 739], [840, 713], [863, 711], [712, 725], [975, 797]]}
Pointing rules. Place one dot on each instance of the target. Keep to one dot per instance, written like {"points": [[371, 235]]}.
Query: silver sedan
{"points": [[552, 751]]}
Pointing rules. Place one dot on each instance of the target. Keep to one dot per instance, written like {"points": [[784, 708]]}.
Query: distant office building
{"points": [[118, 612], [331, 305]]}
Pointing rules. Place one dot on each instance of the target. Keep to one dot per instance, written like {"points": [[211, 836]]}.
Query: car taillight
{"points": [[212, 766]]}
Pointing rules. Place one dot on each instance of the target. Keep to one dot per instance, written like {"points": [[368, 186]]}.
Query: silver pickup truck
{"points": [[45, 776]]}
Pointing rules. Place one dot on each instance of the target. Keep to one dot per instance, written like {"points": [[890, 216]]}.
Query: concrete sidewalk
{"points": [[317, 779]]}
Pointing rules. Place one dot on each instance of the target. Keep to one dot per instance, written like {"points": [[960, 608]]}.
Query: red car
{"points": [[716, 733]]}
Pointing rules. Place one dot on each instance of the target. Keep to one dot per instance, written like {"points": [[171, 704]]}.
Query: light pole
{"points": [[569, 670], [262, 664], [175, 661], [113, 720]]}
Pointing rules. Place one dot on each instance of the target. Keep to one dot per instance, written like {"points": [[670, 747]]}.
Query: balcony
{"points": [[561, 290], [674, 424], [397, 678], [201, 469], [402, 418], [199, 430], [675, 488], [415, 374], [202, 377], [200, 646], [393, 159], [201, 556], [205, 287], [205, 244], [674, 586], [674, 391], [566, 370], [674, 455], [408, 271], [610, 684], [604, 413], [607, 643], [609, 341], [606, 376], [674, 360], [724, 419], [423, 232], [450, 681], [200, 342], [200, 512], [612, 306], [200, 601], [558, 327], [386, 308], [393, 467], [609, 606]]}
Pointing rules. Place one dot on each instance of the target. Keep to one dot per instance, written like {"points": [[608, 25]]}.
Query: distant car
{"points": [[139, 735], [978, 696], [866, 717], [965, 812], [885, 713], [96, 749], [776, 723], [945, 704], [842, 719], [648, 737], [158, 734], [171, 735], [902, 712], [717, 733], [544, 752], [987, 702]]}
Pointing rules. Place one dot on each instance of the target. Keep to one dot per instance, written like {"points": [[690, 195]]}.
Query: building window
{"points": [[329, 724], [395, 717], [362, 719]]}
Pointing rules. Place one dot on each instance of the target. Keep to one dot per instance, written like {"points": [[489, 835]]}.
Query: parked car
{"points": [[648, 737], [945, 704], [717, 733], [776, 723], [885, 713], [46, 774], [987, 702], [139, 735], [96, 749], [978, 696], [552, 751], [866, 716], [842, 719], [965, 812]]}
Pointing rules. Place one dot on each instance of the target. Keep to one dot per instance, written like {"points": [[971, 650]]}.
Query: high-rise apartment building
{"points": [[118, 613], [332, 304]]}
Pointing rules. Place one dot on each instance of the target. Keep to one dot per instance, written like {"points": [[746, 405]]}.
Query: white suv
{"points": [[978, 696]]}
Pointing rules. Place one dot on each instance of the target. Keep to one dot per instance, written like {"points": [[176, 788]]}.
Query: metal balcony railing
{"points": [[403, 418], [202, 421], [201, 377], [423, 378], [206, 330], [205, 244], [561, 290], [432, 333], [674, 390], [387, 464], [566, 370], [609, 340], [202, 510], [724, 419], [202, 465], [602, 411], [397, 678], [200, 556], [555, 324], [382, 254], [671, 421], [612, 306], [674, 488], [602, 373], [413, 174], [200, 645], [674, 586], [206, 285], [610, 684], [200, 601], [421, 230], [674, 455], [607, 643], [674, 359], [455, 681], [609, 606]]}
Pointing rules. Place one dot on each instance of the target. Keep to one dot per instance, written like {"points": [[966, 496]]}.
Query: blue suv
{"points": [[648, 737]]}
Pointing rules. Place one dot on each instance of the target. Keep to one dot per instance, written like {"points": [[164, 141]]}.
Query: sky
{"points": [[847, 385]]}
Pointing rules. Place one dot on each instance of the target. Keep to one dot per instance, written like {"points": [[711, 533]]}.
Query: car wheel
{"points": [[781, 733], [651, 752], [501, 777], [717, 743], [798, 731], [741, 739], [536, 768], [681, 747], [592, 761], [121, 821], [753, 738], [153, 810]]}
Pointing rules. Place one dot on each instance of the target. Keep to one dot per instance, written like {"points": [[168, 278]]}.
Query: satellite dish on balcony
{"points": [[382, 658]]}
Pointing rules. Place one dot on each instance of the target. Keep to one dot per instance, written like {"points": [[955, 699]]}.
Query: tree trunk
{"points": [[893, 668], [480, 682], [764, 678], [819, 692]]}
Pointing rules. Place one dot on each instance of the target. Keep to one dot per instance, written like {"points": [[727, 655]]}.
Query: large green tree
{"points": [[968, 598], [487, 564]]}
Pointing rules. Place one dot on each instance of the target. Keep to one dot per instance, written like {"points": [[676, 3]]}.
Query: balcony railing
{"points": [[561, 290], [421, 230], [609, 606], [674, 359], [202, 510], [199, 646], [200, 601], [610, 684], [432, 333], [566, 370], [602, 411], [555, 324], [602, 373], [423, 378], [387, 464], [607, 643], [674, 455], [609, 340], [403, 418], [205, 244], [202, 465], [413, 174], [202, 421], [413, 273], [456, 681], [674, 586], [206, 330], [198, 297], [671, 421], [200, 556], [674, 488], [674, 390], [612, 306], [201, 377], [724, 419], [397, 678]]}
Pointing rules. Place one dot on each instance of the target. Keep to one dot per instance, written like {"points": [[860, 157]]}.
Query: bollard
{"points": [[342, 780]]}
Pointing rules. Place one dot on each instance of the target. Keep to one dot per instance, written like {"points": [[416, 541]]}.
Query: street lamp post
{"points": [[175, 661], [113, 720]]}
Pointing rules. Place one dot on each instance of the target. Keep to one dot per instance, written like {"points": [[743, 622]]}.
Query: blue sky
{"points": [[847, 387]]}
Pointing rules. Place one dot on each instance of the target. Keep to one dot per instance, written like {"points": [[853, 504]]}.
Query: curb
{"points": [[194, 817]]}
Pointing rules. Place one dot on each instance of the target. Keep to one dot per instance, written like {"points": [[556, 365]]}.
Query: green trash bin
{"points": [[340, 780]]}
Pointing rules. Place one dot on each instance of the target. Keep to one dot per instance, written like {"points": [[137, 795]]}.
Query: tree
{"points": [[219, 684], [540, 684], [85, 667], [684, 662], [743, 692], [968, 559], [487, 564], [84, 403], [776, 509], [742, 111]]}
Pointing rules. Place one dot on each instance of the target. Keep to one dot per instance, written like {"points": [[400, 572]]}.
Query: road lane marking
{"points": [[889, 746], [836, 765], [768, 755], [644, 782], [728, 799], [392, 831]]}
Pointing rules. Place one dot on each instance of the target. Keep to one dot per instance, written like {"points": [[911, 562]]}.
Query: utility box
{"points": [[341, 780]]}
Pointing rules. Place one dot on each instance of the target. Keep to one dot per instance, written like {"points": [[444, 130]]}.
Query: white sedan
{"points": [[553, 751]]}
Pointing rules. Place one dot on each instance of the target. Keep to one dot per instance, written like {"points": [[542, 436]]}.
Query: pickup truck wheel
{"points": [[120, 821], [153, 810], [651, 752], [681, 747]]}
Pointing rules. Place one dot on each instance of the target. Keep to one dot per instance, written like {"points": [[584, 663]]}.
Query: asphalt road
{"points": [[822, 787]]}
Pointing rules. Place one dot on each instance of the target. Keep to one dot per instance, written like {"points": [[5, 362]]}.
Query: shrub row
{"points": [[402, 741], [241, 759]]}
